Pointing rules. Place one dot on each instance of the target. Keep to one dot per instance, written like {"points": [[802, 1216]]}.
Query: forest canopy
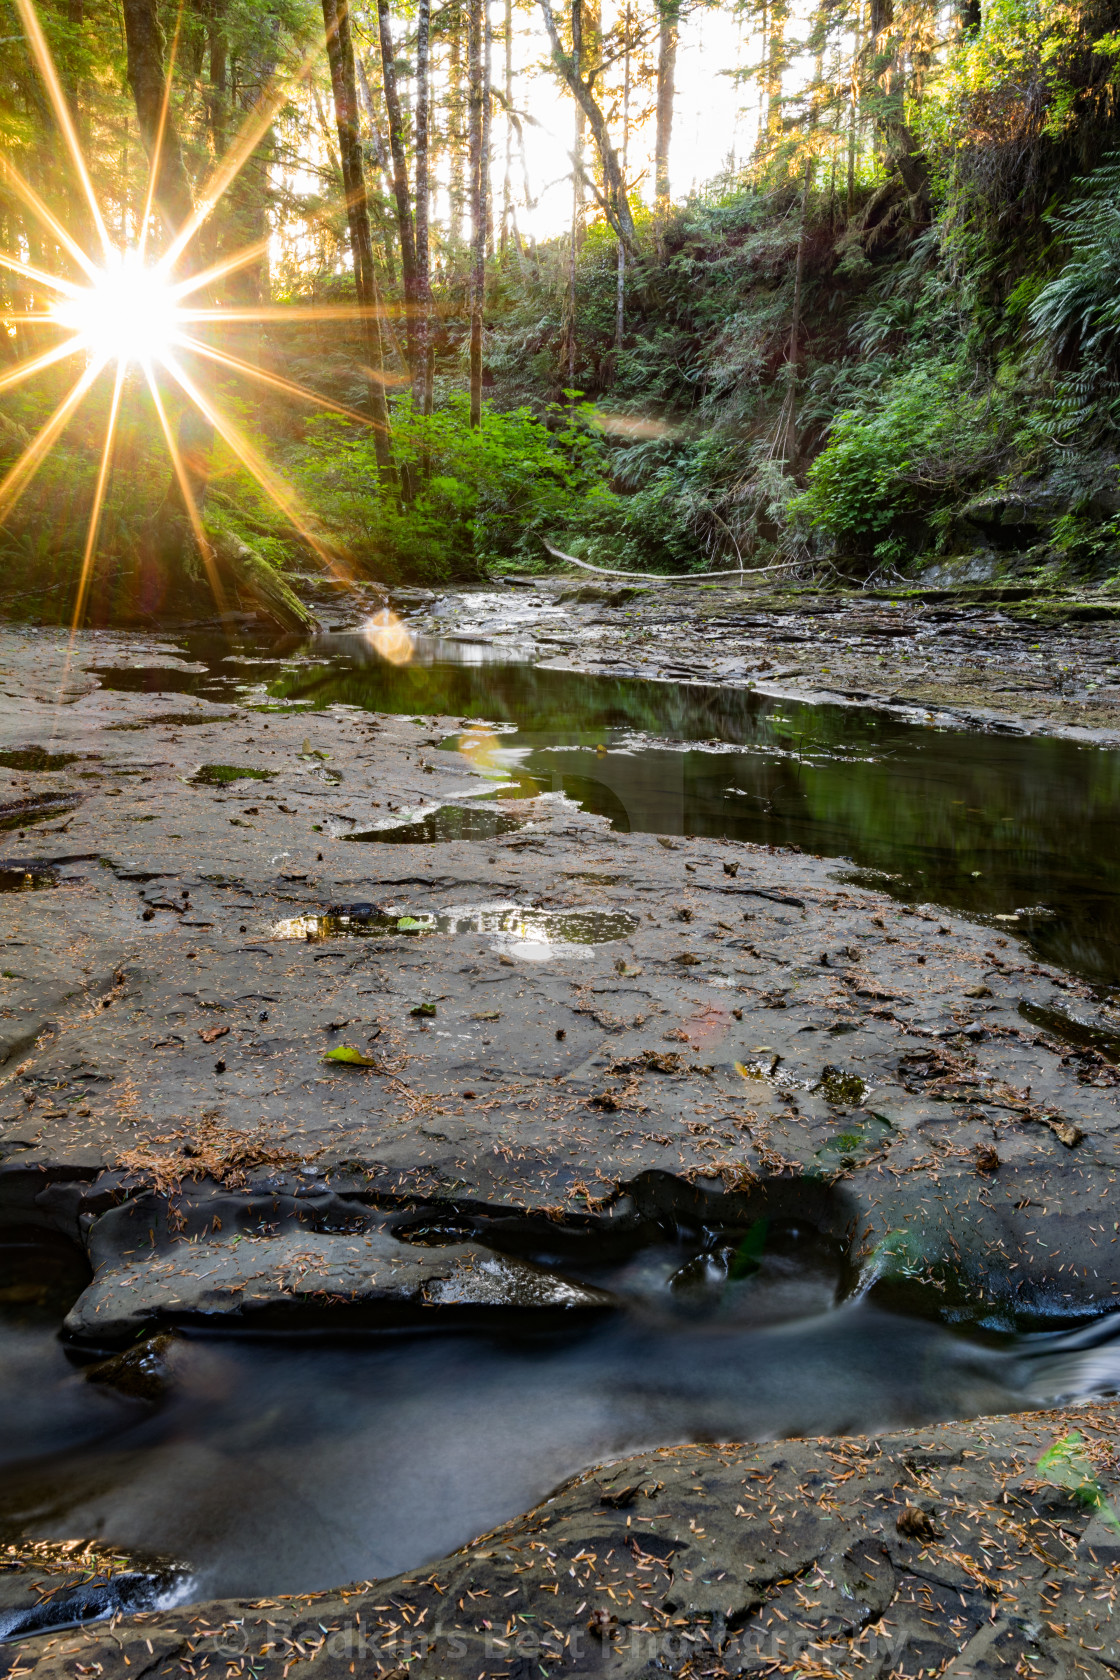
{"points": [[279, 297]]}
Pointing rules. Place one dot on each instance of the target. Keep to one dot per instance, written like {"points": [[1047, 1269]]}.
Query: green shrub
{"points": [[913, 448], [477, 495]]}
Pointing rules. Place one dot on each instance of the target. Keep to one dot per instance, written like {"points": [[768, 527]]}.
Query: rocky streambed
{"points": [[991, 654], [417, 1133]]}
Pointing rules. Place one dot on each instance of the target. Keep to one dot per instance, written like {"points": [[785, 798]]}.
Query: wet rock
{"points": [[497, 1281], [50, 1585], [141, 1373], [272, 1258], [746, 1559], [556, 978]]}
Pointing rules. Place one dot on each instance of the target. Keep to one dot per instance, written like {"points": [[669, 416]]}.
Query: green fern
{"points": [[1078, 312]]}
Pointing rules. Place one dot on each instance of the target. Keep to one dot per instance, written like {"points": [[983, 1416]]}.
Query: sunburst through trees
{"points": [[120, 308]]}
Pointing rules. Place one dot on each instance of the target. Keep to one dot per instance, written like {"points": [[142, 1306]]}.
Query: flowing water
{"points": [[298, 1462]]}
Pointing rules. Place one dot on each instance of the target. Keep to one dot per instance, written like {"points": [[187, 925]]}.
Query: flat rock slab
{"points": [[563, 1023], [941, 1550], [993, 657], [729, 1033]]}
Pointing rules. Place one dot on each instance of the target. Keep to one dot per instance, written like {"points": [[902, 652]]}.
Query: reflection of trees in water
{"points": [[985, 823]]}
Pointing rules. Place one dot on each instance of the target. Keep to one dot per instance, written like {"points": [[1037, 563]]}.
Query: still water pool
{"points": [[990, 824]]}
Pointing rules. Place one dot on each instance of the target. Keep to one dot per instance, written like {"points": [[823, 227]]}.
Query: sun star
{"points": [[130, 309], [127, 314]]}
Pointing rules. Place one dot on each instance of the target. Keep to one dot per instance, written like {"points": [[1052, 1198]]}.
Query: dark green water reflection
{"points": [[990, 824]]}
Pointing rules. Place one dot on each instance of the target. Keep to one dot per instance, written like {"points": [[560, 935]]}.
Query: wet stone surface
{"points": [[155, 1017], [998, 655], [757, 1036], [878, 1557]]}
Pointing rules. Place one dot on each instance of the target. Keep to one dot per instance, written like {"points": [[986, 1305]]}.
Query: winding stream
{"points": [[299, 1462]]}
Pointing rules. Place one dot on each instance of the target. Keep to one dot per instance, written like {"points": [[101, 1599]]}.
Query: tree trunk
{"points": [[78, 212], [487, 126], [886, 95], [764, 38], [422, 373], [340, 56], [573, 248], [507, 178], [217, 89], [854, 111], [477, 191], [328, 139], [615, 203], [788, 429], [669, 22], [620, 281], [405, 230], [775, 65], [384, 163], [144, 46], [458, 190]]}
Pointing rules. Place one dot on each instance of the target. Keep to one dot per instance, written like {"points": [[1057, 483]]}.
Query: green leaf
{"points": [[350, 1057], [748, 1256], [1065, 1465], [425, 1009]]}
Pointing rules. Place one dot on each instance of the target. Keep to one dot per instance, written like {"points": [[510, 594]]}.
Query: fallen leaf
{"points": [[426, 1010], [918, 1524], [209, 1034], [347, 1054]]}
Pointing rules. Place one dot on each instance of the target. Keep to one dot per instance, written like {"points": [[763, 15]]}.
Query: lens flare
{"points": [[130, 309], [127, 315], [389, 637]]}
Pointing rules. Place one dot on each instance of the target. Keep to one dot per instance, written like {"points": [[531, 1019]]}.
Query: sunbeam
{"points": [[94, 528], [60, 105], [124, 309], [255, 464], [275, 381], [23, 470]]}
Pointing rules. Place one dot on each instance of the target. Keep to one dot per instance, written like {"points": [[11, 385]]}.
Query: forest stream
{"points": [[251, 1453]]}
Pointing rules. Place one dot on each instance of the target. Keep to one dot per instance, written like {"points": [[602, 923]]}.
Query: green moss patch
{"points": [[36, 758], [219, 775]]}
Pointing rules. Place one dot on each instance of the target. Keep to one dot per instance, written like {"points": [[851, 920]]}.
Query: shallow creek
{"points": [[1018, 828], [295, 1461], [299, 1461]]}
